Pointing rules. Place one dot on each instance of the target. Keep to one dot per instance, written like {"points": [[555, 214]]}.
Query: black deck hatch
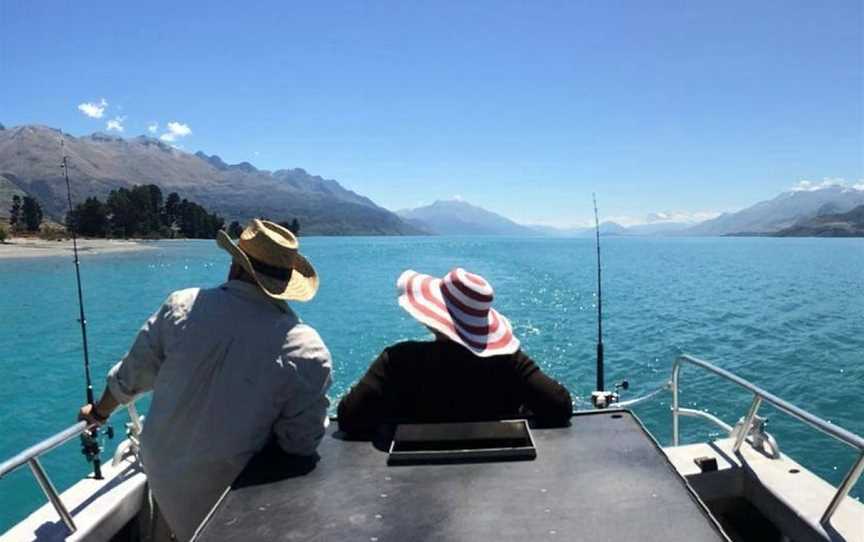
{"points": [[508, 440]]}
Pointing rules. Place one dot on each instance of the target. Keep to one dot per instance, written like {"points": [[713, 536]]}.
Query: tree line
{"points": [[141, 211], [25, 214]]}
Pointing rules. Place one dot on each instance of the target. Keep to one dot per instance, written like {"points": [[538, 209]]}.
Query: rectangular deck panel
{"points": [[461, 442], [602, 478]]}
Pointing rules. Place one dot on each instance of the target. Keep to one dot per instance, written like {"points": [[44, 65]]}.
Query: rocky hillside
{"points": [[784, 211], [850, 224], [30, 158]]}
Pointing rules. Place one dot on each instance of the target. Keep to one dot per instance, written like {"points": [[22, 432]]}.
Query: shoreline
{"points": [[25, 247]]}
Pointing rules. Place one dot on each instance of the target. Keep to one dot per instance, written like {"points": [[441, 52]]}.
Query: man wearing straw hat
{"points": [[473, 371], [229, 367]]}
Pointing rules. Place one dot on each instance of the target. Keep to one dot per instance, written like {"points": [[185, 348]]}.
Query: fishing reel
{"points": [[607, 399], [92, 443]]}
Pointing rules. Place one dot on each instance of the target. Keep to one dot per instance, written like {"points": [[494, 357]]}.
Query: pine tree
{"points": [[89, 218], [172, 209], [124, 215], [15, 213], [293, 226], [31, 213]]}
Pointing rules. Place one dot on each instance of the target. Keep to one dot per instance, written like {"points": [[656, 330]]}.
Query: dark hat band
{"points": [[278, 273]]}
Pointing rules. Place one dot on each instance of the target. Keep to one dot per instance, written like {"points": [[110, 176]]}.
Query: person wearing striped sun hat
{"points": [[474, 369]]}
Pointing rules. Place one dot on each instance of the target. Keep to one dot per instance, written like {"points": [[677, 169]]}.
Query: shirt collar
{"points": [[251, 291]]}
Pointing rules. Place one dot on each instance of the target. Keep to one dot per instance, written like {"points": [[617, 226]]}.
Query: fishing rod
{"points": [[89, 444], [600, 366], [600, 397]]}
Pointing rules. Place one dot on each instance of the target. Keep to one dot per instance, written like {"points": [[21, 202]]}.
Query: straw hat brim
{"points": [[426, 309], [302, 286]]}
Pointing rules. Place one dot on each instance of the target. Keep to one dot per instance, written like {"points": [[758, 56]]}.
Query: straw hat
{"points": [[268, 252], [460, 307]]}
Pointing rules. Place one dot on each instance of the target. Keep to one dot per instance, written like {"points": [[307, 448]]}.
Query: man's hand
{"points": [[98, 414], [91, 415]]}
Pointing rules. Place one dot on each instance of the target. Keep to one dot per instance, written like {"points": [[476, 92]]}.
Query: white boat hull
{"points": [[99, 508]]}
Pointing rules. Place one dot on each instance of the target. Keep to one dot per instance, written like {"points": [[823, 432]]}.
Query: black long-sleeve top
{"points": [[442, 381]]}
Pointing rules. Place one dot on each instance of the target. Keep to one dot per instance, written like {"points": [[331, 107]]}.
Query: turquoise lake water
{"points": [[787, 314]]}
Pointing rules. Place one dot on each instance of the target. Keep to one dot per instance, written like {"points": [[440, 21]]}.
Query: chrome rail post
{"points": [[676, 369], [846, 486], [760, 395], [51, 492], [843, 435], [748, 421], [31, 455]]}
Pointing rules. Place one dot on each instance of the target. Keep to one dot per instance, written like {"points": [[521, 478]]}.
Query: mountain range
{"points": [[606, 228], [99, 163], [456, 217], [783, 211]]}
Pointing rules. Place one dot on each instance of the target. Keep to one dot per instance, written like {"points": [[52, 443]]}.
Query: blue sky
{"points": [[524, 108]]}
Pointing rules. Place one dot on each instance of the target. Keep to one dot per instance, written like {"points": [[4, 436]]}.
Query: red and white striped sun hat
{"points": [[460, 307]]}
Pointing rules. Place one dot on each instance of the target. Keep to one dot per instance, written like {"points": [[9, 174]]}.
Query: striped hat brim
{"points": [[422, 298]]}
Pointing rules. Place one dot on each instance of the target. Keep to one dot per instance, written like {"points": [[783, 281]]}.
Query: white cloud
{"points": [[827, 182], [458, 197], [152, 127], [661, 217], [810, 186], [679, 216], [93, 110], [115, 124], [175, 131], [622, 220]]}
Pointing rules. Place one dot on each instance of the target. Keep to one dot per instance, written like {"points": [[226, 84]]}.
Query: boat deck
{"points": [[602, 478]]}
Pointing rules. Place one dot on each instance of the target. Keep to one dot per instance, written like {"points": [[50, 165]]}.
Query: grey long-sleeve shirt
{"points": [[229, 367]]}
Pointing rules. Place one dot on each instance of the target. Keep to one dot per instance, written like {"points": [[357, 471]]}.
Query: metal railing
{"points": [[761, 396], [30, 456]]}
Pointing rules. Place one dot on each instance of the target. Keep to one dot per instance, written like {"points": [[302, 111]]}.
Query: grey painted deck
{"points": [[602, 478]]}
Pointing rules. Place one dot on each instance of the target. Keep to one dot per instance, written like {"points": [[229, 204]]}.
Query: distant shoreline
{"points": [[31, 247], [26, 247]]}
